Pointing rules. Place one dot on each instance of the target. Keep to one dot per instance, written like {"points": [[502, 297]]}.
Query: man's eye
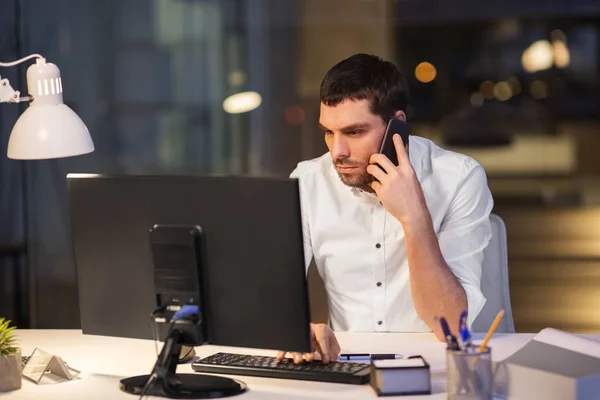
{"points": [[352, 133], [328, 132]]}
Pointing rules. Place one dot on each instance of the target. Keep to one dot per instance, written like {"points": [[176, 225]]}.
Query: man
{"points": [[398, 251]]}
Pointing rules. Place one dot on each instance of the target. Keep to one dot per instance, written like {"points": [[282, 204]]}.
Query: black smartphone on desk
{"points": [[388, 148]]}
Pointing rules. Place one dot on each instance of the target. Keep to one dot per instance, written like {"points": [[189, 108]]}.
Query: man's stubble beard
{"points": [[361, 181]]}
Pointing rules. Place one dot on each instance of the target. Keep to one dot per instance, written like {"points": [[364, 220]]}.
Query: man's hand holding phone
{"points": [[397, 187], [324, 343], [388, 148]]}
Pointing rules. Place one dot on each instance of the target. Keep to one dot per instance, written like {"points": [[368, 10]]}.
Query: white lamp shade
{"points": [[49, 131], [48, 128]]}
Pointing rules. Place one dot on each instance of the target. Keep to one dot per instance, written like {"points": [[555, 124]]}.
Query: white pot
{"points": [[10, 372]]}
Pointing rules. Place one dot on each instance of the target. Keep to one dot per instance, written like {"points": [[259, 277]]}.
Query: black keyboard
{"points": [[270, 367]]}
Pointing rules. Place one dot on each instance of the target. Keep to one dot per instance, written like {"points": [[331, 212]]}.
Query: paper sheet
{"points": [[569, 341]]}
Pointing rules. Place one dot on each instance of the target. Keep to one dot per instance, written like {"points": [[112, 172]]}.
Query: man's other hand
{"points": [[324, 344]]}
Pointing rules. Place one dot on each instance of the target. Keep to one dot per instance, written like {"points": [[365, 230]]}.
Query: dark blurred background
{"points": [[513, 84]]}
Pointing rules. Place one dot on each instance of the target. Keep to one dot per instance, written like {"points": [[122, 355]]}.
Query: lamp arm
{"points": [[10, 95], [7, 93]]}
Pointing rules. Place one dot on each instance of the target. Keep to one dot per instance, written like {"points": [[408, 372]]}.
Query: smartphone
{"points": [[387, 148]]}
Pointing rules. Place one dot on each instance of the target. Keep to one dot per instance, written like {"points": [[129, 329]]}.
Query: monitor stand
{"points": [[166, 383]]}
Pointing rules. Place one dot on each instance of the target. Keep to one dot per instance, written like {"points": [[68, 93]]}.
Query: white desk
{"points": [[105, 360]]}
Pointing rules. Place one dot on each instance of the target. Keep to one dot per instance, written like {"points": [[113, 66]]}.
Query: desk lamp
{"points": [[48, 128]]}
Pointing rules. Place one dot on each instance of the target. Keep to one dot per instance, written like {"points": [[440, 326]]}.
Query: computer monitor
{"points": [[255, 289]]}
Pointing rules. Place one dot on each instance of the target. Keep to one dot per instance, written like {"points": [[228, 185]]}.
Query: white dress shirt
{"points": [[359, 247]]}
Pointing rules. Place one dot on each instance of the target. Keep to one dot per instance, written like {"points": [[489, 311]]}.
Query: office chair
{"points": [[494, 282]]}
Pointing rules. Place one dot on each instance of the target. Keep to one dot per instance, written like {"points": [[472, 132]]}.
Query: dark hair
{"points": [[364, 76]]}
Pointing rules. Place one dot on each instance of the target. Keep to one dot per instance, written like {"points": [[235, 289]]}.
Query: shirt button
{"points": [[379, 322], [378, 245], [378, 283]]}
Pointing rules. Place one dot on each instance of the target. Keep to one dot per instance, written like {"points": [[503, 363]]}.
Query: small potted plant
{"points": [[10, 358]]}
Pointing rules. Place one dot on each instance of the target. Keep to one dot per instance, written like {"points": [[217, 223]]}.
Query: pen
{"points": [[450, 339], [465, 335], [368, 356], [453, 346]]}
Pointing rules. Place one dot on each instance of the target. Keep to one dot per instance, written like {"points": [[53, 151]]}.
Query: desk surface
{"points": [[105, 360]]}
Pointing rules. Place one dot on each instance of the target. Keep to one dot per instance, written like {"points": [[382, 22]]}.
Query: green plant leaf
{"points": [[8, 338]]}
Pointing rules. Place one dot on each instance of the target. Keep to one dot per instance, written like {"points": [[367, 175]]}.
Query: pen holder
{"points": [[470, 374]]}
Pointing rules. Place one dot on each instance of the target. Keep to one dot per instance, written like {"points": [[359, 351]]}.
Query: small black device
{"points": [[387, 147], [178, 271], [178, 266], [271, 367]]}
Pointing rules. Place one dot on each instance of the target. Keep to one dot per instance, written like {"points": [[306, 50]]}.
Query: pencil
{"points": [[490, 333], [492, 330]]}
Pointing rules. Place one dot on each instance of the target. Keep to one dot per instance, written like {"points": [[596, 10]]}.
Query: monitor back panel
{"points": [[254, 274]]}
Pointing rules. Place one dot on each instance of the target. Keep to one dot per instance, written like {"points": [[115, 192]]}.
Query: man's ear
{"points": [[400, 115]]}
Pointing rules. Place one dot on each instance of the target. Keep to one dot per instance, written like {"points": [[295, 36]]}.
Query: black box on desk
{"points": [[401, 377]]}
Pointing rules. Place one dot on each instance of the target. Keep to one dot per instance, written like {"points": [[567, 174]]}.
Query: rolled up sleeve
{"points": [[465, 232]]}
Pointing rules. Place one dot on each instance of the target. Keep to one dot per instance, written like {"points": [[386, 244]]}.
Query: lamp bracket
{"points": [[7, 93]]}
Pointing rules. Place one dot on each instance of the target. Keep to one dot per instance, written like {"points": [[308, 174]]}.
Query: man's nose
{"points": [[339, 147]]}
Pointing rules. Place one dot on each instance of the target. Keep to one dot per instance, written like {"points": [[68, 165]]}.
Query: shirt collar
{"points": [[419, 158], [363, 194]]}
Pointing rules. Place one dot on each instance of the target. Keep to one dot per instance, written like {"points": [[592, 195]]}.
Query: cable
{"points": [[148, 385], [155, 332], [10, 64], [187, 311], [154, 374], [154, 326], [187, 354]]}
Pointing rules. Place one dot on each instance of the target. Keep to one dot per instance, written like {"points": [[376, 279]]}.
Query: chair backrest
{"points": [[494, 282]]}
